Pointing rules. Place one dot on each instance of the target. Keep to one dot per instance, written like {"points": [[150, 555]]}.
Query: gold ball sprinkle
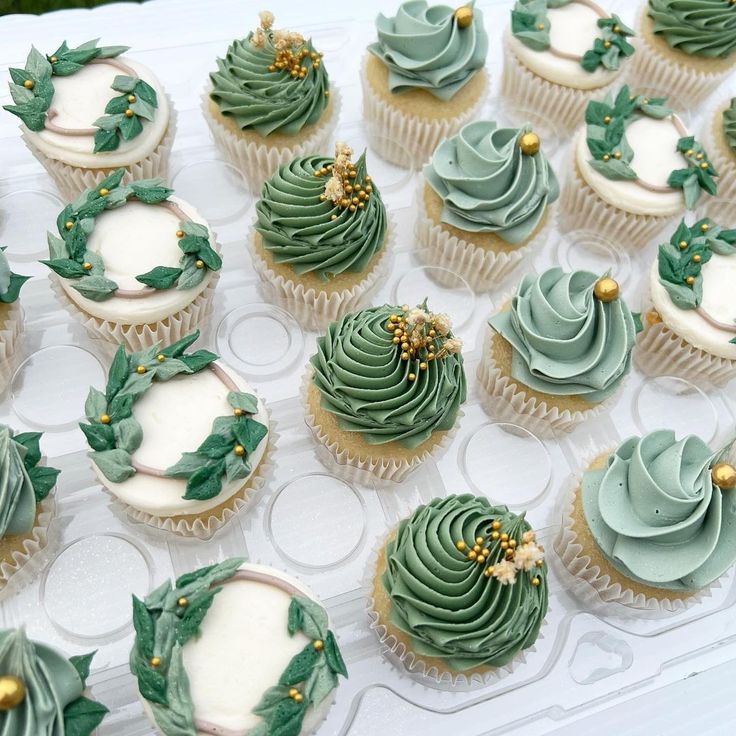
{"points": [[606, 44], [504, 537], [504, 545], [179, 233], [689, 152], [460, 545], [477, 548], [539, 563], [606, 289], [495, 535], [412, 377], [705, 227], [617, 155], [239, 450], [333, 217], [496, 525], [690, 280], [704, 165], [488, 572], [318, 644], [535, 581], [140, 370], [182, 602], [298, 698], [238, 412], [683, 244], [606, 157], [105, 419], [512, 543], [12, 692], [395, 340], [529, 144], [132, 99], [616, 29], [86, 265], [464, 16], [697, 258], [540, 26], [405, 356], [104, 192], [53, 59], [160, 357], [68, 224], [155, 661], [479, 540], [199, 264], [129, 113], [724, 476], [293, 692], [698, 156], [472, 555], [352, 208], [607, 119], [28, 84], [422, 366]]}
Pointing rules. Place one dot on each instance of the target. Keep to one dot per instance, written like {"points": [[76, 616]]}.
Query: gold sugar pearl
{"points": [[683, 244], [705, 227], [293, 692], [539, 563], [361, 205], [333, 217], [352, 208], [477, 548], [155, 661], [422, 366], [238, 412], [129, 113], [463, 16], [696, 258], [404, 356], [529, 143], [496, 525], [504, 537], [698, 156], [607, 119], [488, 572], [12, 692], [160, 357], [68, 224], [724, 476], [396, 340], [318, 644], [512, 543], [540, 26], [394, 318], [535, 581], [53, 59], [140, 370], [104, 192], [495, 535], [239, 450], [180, 234], [182, 602], [412, 377], [472, 555], [105, 419], [504, 545], [689, 152], [704, 165], [690, 280], [132, 99], [606, 44], [479, 540], [606, 157], [460, 545], [199, 264], [28, 84], [606, 289], [87, 266], [617, 155]]}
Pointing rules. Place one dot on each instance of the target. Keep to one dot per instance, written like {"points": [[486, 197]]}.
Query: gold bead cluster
{"points": [[699, 157], [295, 61], [342, 186]]}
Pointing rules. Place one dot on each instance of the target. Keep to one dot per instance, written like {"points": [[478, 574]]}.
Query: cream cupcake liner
{"points": [[650, 68], [564, 105], [258, 161], [404, 139], [723, 160], [581, 208], [482, 268], [591, 584], [315, 309], [366, 469], [505, 399], [28, 559], [71, 181], [10, 329]]}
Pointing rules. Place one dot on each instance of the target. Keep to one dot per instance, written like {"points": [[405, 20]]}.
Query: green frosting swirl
{"points": [[656, 514], [487, 184], [296, 225], [445, 602], [17, 499], [10, 282], [566, 341], [729, 124], [363, 381], [425, 48], [696, 27], [268, 101], [53, 704]]}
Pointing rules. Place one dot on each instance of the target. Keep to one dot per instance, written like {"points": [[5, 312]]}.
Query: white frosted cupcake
{"points": [[135, 264], [246, 648], [634, 169], [175, 463], [560, 55], [690, 329], [88, 110]]}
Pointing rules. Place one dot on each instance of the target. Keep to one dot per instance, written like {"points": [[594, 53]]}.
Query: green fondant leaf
{"points": [[43, 479], [249, 433], [96, 288], [296, 618], [120, 407], [143, 109], [160, 277], [152, 684], [137, 383], [112, 181], [124, 83], [144, 628], [118, 374], [66, 268], [191, 277], [177, 348], [31, 442], [189, 623], [57, 247], [115, 465], [333, 656], [188, 464], [81, 664], [215, 447], [300, 666], [198, 360], [206, 482], [13, 290], [270, 699], [95, 405], [314, 618], [82, 716], [286, 718], [106, 140], [128, 434], [117, 105], [145, 92], [192, 244], [150, 193], [236, 467], [320, 684], [100, 437], [170, 368], [109, 123], [246, 402], [194, 228], [130, 127], [638, 324]]}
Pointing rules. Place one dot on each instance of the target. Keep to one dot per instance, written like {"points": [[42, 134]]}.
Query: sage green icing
{"points": [[268, 102], [729, 125], [444, 601], [297, 229], [566, 341], [424, 48], [363, 381], [10, 282], [696, 27], [656, 514], [488, 185], [53, 704], [17, 498]]}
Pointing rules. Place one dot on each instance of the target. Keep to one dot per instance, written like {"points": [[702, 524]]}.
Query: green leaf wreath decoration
{"points": [[71, 259], [697, 175]]}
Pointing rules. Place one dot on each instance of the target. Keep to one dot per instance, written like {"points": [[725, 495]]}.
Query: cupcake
{"points": [[42, 692], [172, 462], [460, 589], [11, 315], [650, 524], [234, 648], [690, 329], [384, 390], [558, 352], [483, 202], [26, 507], [270, 101], [634, 169], [321, 236], [686, 48], [87, 111], [424, 78], [135, 264], [720, 137], [560, 56]]}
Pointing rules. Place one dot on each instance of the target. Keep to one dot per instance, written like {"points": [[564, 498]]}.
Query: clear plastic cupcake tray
{"points": [[307, 521]]}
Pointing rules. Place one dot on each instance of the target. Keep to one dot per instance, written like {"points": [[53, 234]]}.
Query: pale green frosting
{"points": [[268, 102], [729, 125], [444, 601], [297, 229], [17, 498], [363, 381], [656, 514], [488, 185], [566, 341], [696, 27], [424, 48]]}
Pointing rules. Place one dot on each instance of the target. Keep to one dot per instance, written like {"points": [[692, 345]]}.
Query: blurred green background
{"points": [[43, 6]]}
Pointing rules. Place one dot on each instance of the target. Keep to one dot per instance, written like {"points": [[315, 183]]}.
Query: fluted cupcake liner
{"points": [[722, 158], [593, 578], [367, 467], [11, 320], [667, 70], [314, 309], [257, 161], [71, 181], [21, 562], [482, 268], [404, 139]]}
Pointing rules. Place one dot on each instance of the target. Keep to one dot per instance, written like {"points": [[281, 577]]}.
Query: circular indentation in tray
{"points": [[584, 250], [217, 189], [27, 215], [50, 387], [506, 463], [447, 292], [316, 520], [677, 404], [267, 358], [82, 592]]}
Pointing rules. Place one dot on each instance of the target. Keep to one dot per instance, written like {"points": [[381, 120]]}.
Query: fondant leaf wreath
{"points": [[697, 175], [71, 259], [610, 47]]}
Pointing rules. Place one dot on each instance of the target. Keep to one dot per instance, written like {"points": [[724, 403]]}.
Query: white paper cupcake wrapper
{"points": [[315, 309], [723, 164], [72, 180], [651, 69], [582, 209], [481, 268], [404, 139], [10, 329], [366, 469], [505, 399], [588, 582], [258, 161], [28, 560]]}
